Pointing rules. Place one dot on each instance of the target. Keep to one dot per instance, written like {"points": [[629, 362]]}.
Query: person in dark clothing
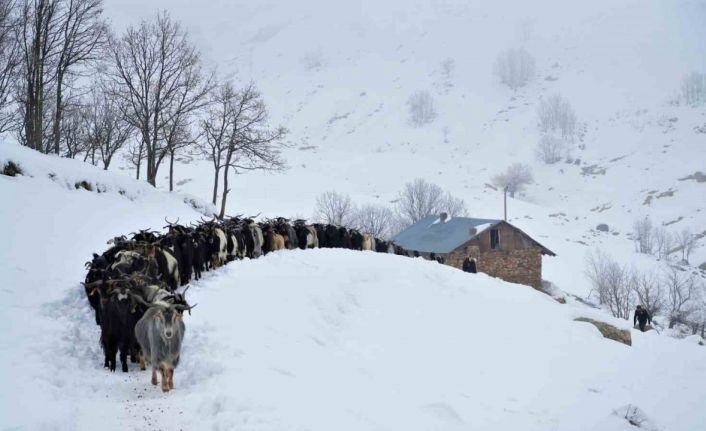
{"points": [[469, 265], [641, 316]]}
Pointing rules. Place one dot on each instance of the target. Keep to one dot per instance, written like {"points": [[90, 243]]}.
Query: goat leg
{"points": [[171, 378], [165, 378]]}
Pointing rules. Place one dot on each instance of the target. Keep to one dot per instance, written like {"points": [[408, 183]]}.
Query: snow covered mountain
{"points": [[339, 74], [315, 339]]}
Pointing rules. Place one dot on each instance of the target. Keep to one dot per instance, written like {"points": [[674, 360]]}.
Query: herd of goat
{"points": [[132, 286]]}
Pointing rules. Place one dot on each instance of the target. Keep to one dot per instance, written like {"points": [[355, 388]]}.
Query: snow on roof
{"points": [[430, 235]]}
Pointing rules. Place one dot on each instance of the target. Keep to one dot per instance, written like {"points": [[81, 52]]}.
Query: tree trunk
{"points": [[139, 159], [151, 169], [215, 185], [56, 129], [171, 170], [225, 192]]}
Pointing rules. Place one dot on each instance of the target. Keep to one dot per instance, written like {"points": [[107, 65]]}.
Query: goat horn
{"points": [[181, 307], [139, 299]]}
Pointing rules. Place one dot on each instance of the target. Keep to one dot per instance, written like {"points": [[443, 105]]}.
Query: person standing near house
{"points": [[469, 265], [642, 316]]}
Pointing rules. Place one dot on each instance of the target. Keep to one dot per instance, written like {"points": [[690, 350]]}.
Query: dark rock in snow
{"points": [[602, 227]]}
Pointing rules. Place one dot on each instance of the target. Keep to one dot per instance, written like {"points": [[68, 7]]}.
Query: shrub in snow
{"points": [[421, 108], [693, 88], [313, 60], [636, 417], [334, 208], [556, 115], [550, 149], [514, 67], [514, 179]]}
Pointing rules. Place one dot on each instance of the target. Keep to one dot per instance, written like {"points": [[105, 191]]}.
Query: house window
{"points": [[494, 239]]}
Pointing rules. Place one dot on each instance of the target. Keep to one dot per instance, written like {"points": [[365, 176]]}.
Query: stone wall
{"points": [[516, 266]]}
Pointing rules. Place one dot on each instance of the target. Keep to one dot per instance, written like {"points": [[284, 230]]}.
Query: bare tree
{"points": [[421, 108], [649, 291], [159, 77], [514, 179], [680, 291], [694, 88], [74, 139], [556, 115], [39, 37], [447, 69], [698, 317], [178, 137], [216, 129], [107, 130], [253, 144], [9, 61], [612, 283], [335, 208], [376, 220], [135, 154], [642, 231], [664, 242], [686, 242], [514, 67], [420, 198], [83, 36], [550, 149], [453, 206]]}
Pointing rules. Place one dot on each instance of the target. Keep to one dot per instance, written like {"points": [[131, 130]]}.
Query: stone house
{"points": [[499, 248]]}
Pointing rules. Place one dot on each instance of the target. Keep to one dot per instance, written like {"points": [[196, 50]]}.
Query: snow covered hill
{"points": [[316, 339], [338, 74]]}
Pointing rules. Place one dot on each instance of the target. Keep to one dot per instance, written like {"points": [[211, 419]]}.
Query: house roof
{"points": [[431, 235]]}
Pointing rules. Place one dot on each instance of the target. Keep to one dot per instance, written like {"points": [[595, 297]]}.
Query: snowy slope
{"points": [[338, 75], [316, 339], [49, 229]]}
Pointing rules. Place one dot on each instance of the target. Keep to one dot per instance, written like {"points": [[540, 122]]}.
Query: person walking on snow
{"points": [[642, 316]]}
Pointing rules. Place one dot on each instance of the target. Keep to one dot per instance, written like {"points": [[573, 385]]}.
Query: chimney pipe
{"points": [[505, 203]]}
